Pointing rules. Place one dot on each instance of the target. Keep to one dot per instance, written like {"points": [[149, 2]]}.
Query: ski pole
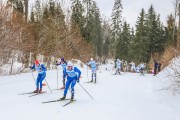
{"points": [[33, 76], [85, 90], [48, 86], [57, 77], [87, 73], [96, 78]]}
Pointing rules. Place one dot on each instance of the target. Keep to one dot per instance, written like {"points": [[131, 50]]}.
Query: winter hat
{"points": [[36, 62], [62, 59], [91, 59], [69, 64]]}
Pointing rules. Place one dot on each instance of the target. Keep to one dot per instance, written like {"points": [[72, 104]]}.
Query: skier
{"points": [[133, 67], [142, 68], [41, 75], [118, 66], [73, 74], [63, 64], [138, 69], [93, 65]]}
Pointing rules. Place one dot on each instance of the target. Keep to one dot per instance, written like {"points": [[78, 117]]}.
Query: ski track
{"points": [[116, 97]]}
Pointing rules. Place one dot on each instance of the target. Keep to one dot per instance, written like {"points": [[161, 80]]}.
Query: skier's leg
{"points": [[67, 87], [41, 80], [37, 84], [92, 77], [119, 70], [95, 76], [73, 83]]}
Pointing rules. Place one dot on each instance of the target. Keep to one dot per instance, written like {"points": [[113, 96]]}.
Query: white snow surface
{"points": [[116, 97]]}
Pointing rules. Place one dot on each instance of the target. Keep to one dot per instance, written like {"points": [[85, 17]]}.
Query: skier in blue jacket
{"points": [[41, 75], [73, 74], [63, 64], [93, 64], [118, 66]]}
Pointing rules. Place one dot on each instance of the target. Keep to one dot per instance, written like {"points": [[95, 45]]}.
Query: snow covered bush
{"points": [[172, 75]]}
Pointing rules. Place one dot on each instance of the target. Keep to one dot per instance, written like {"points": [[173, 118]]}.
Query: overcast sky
{"points": [[132, 8]]}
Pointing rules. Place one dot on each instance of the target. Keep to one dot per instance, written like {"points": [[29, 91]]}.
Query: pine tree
{"points": [[131, 55], [116, 25], [89, 18], [106, 30], [155, 32], [52, 8], [77, 18], [124, 42], [97, 31], [169, 31], [160, 36], [141, 43], [18, 6], [21, 6]]}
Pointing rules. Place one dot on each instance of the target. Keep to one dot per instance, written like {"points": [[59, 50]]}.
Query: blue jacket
{"points": [[74, 73], [92, 64], [155, 65], [63, 65], [40, 68]]}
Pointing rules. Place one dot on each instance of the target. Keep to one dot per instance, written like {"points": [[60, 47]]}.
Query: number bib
{"points": [[71, 73]]}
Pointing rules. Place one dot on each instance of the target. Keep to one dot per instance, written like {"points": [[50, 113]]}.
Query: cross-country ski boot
{"points": [[63, 87], [63, 98], [36, 91], [40, 91], [72, 98]]}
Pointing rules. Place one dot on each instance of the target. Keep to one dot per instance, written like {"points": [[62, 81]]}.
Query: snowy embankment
{"points": [[116, 97], [170, 77]]}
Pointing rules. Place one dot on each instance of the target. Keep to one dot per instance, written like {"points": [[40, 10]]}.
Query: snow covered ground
{"points": [[116, 97]]}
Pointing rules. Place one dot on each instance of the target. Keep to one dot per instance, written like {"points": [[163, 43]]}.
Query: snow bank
{"points": [[8, 69], [170, 76]]}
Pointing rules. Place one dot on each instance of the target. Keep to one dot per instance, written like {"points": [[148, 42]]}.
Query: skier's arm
{"points": [[78, 71], [32, 67], [58, 63], [43, 67]]}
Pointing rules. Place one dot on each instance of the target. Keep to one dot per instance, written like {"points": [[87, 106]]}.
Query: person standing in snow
{"points": [[142, 68], [118, 66], [155, 67], [159, 66], [138, 69], [63, 64], [41, 75], [133, 67], [73, 74], [93, 65]]}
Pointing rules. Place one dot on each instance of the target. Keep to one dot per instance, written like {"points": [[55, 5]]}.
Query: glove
{"points": [[77, 80]]}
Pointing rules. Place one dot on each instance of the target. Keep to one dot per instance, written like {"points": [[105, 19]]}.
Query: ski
{"points": [[54, 101], [88, 82], [26, 93], [71, 101], [37, 94], [91, 82], [57, 89]]}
